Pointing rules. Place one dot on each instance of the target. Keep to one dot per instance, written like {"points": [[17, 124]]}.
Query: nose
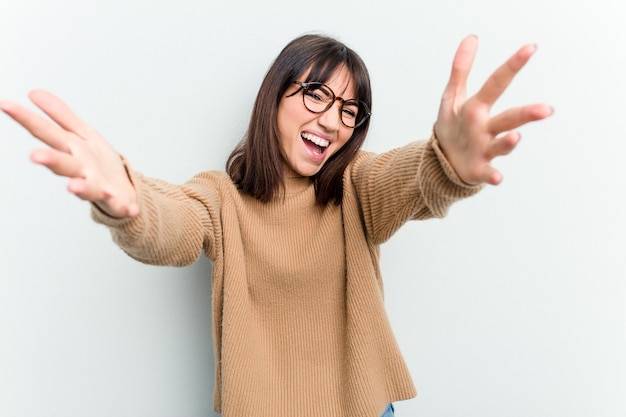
{"points": [[331, 118]]}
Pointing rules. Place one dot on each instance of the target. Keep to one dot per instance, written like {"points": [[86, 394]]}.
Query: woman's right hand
{"points": [[76, 151]]}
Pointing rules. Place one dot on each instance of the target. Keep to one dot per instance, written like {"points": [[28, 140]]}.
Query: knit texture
{"points": [[300, 328]]}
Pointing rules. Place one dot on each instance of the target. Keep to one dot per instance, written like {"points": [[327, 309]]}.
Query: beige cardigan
{"points": [[299, 323]]}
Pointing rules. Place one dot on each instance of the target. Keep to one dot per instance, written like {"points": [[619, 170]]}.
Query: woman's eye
{"points": [[314, 95], [350, 111]]}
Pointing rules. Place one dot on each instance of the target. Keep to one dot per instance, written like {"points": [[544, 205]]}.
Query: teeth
{"points": [[322, 143]]}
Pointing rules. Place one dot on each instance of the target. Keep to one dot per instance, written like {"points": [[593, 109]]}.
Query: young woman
{"points": [[293, 226]]}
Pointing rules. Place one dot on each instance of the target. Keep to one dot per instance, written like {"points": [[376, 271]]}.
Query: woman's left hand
{"points": [[468, 135]]}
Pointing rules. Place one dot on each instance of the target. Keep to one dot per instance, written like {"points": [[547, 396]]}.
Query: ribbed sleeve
{"points": [[175, 222], [409, 183]]}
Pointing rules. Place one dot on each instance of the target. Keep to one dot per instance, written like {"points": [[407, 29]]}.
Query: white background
{"points": [[514, 305]]}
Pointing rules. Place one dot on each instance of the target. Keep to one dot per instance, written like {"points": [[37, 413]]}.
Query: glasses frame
{"points": [[304, 86]]}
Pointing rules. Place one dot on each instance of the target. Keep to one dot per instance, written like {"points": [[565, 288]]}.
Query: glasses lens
{"points": [[318, 97], [354, 113], [350, 113]]}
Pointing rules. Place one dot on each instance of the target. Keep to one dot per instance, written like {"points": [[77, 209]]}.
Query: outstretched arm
{"points": [[95, 170], [468, 135]]}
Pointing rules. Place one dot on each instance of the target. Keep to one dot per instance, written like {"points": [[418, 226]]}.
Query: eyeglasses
{"points": [[318, 98]]}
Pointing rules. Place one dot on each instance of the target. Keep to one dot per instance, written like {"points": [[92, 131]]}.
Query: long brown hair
{"points": [[256, 164]]}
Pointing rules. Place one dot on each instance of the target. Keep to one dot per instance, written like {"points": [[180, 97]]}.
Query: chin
{"points": [[307, 170], [308, 173]]}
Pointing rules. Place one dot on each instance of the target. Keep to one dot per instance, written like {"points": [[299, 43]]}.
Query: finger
{"points": [[502, 77], [461, 66], [494, 177], [48, 132], [58, 162], [60, 112], [84, 190], [513, 118], [81, 188], [484, 174], [490, 175], [504, 145]]}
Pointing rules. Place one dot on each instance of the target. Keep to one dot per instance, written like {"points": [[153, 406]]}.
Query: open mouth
{"points": [[316, 144]]}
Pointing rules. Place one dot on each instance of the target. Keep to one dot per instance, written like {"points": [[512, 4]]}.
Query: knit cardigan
{"points": [[299, 324]]}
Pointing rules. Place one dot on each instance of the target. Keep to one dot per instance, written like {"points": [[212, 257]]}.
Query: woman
{"points": [[294, 226]]}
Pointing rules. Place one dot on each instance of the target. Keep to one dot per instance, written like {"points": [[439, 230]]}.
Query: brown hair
{"points": [[256, 164]]}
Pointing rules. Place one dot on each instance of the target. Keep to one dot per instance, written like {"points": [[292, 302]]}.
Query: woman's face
{"points": [[308, 140]]}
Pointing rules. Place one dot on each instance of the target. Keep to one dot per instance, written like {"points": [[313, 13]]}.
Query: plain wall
{"points": [[513, 305]]}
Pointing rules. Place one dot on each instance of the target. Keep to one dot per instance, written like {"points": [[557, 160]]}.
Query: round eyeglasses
{"points": [[318, 98]]}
